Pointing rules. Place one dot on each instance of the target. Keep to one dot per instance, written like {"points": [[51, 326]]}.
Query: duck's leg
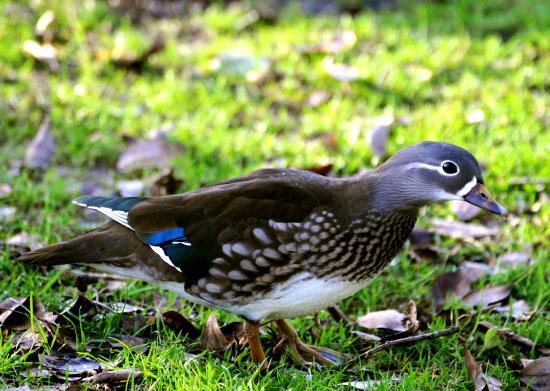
{"points": [[252, 332], [302, 352]]}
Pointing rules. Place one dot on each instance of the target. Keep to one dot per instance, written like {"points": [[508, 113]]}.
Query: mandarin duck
{"points": [[277, 243]]}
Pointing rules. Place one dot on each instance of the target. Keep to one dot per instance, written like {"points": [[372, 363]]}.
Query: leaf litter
{"points": [[475, 371], [156, 152]]}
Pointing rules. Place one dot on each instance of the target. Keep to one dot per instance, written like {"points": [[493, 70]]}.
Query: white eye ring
{"points": [[442, 168]]}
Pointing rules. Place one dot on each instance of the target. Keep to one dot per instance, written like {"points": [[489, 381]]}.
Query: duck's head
{"points": [[431, 172]]}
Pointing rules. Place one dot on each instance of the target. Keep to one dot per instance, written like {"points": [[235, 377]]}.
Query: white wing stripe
{"points": [[164, 257]]}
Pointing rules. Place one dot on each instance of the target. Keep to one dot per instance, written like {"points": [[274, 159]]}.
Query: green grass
{"points": [[432, 63]]}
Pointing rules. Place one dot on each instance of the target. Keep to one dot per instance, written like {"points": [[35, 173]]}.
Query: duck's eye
{"points": [[449, 167]]}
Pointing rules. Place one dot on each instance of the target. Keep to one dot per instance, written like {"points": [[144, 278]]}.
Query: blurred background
{"points": [[152, 97]]}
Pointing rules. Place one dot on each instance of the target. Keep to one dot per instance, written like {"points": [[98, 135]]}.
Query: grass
{"points": [[431, 63]]}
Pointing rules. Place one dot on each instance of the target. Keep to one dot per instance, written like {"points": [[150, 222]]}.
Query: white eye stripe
{"points": [[433, 168], [467, 187]]}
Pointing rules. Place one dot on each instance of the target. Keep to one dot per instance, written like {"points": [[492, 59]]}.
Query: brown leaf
{"points": [[366, 336], [7, 212], [457, 283], [43, 23], [136, 62], [536, 375], [340, 72], [386, 319], [156, 152], [421, 237], [481, 381], [82, 306], [464, 210], [234, 332], [213, 336], [180, 324], [5, 189], [322, 170], [514, 259], [379, 136], [518, 310], [317, 98], [163, 183], [120, 340], [15, 311], [44, 52], [40, 151], [515, 338], [69, 366], [486, 296], [461, 230], [29, 340], [338, 43], [115, 376], [24, 239], [428, 253]]}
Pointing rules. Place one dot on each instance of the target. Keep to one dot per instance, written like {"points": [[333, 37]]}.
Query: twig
{"points": [[339, 316], [515, 338], [404, 341], [120, 375]]}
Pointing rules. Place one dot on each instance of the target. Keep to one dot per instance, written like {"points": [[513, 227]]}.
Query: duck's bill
{"points": [[480, 197]]}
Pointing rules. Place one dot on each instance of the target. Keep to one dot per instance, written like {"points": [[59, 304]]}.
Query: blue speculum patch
{"points": [[169, 235]]}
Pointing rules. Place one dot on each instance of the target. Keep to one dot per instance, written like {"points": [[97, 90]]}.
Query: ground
{"points": [[240, 93]]}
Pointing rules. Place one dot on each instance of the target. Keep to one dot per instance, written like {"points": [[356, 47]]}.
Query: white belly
{"points": [[300, 295]]}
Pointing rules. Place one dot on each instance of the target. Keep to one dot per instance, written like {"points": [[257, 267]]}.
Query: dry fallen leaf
{"points": [[7, 212], [24, 239], [464, 210], [421, 237], [5, 189], [366, 336], [486, 296], [70, 367], [514, 259], [536, 374], [213, 336], [457, 283], [461, 230], [15, 312], [475, 116], [340, 72], [128, 60], [482, 382], [386, 319], [40, 151], [340, 42], [44, 52], [317, 98], [518, 310], [163, 183], [180, 324], [321, 170], [29, 340], [43, 23], [379, 136], [369, 384], [156, 152]]}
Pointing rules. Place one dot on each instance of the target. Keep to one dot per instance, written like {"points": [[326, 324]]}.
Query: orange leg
{"points": [[305, 354], [252, 332]]}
